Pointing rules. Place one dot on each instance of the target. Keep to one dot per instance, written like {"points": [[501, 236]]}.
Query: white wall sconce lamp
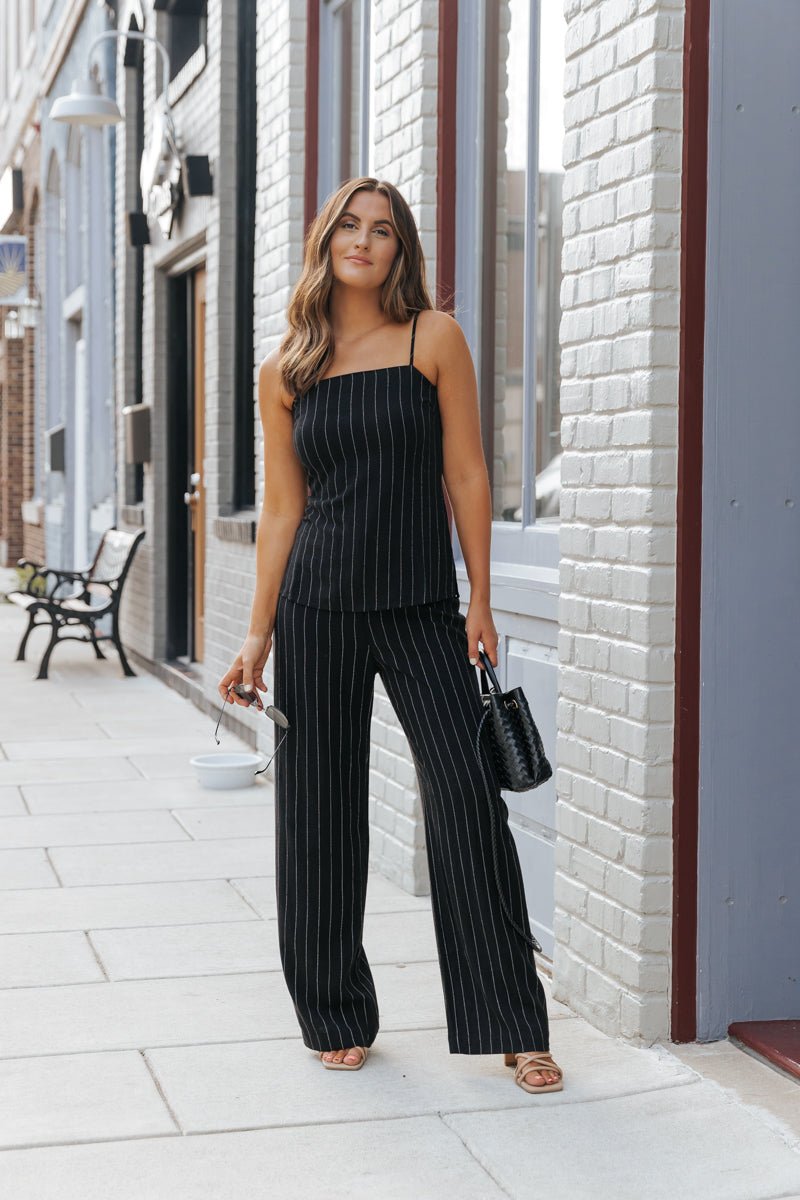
{"points": [[86, 105], [161, 168]]}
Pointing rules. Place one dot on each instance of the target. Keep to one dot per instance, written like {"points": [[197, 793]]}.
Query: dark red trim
{"points": [[686, 775], [446, 156], [776, 1041], [312, 113]]}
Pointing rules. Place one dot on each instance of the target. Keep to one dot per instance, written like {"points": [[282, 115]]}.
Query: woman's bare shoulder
{"points": [[270, 380], [442, 341]]}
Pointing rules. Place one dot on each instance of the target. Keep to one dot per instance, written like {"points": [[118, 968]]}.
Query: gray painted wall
{"points": [[749, 837]]}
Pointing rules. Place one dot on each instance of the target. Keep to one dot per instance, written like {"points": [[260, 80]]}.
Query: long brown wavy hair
{"points": [[307, 346]]}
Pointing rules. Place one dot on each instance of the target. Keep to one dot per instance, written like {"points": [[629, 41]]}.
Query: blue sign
{"points": [[13, 269]]}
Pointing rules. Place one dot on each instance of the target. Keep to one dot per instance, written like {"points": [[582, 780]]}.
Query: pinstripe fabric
{"points": [[325, 662], [374, 533]]}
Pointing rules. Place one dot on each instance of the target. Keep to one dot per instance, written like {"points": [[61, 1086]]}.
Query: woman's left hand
{"points": [[480, 627]]}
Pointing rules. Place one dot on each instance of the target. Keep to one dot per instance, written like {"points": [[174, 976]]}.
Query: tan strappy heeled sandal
{"points": [[540, 1060], [343, 1066]]}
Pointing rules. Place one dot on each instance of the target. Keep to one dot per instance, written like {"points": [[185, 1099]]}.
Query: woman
{"points": [[370, 399]]}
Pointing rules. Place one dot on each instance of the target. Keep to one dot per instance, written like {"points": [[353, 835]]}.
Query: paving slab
{"points": [[90, 829], [173, 744], [749, 1079], [68, 770], [233, 821], [672, 1142], [26, 726], [45, 959], [418, 1158], [136, 794], [231, 947], [244, 1085], [166, 1012], [11, 802], [382, 895], [187, 720], [153, 862], [53, 908], [153, 700], [78, 1097], [173, 766], [25, 869]]}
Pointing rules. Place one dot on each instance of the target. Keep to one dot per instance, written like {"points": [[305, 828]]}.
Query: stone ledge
{"points": [[239, 528]]}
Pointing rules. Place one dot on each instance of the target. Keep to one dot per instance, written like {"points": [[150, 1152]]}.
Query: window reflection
{"points": [[514, 227], [346, 98]]}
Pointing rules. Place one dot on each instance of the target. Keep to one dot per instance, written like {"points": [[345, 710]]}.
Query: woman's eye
{"points": [[380, 229]]}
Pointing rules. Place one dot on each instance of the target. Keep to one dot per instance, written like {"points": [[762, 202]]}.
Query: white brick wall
{"points": [[619, 336]]}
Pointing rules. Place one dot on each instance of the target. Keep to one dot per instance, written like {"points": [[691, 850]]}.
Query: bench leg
{"points": [[31, 623], [98, 653], [126, 666], [45, 663]]}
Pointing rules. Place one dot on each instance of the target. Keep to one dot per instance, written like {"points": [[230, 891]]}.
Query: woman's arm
{"points": [[465, 475], [285, 493]]}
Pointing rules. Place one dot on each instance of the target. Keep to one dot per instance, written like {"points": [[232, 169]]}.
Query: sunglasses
{"points": [[271, 711]]}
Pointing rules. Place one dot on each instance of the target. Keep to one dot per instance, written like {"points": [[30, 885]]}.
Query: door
{"points": [[196, 495], [748, 947], [185, 488]]}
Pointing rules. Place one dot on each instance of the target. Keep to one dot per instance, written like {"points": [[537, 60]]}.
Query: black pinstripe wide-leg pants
{"points": [[324, 667]]}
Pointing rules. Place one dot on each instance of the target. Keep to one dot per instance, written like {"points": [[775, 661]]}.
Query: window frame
{"points": [[327, 80], [528, 542]]}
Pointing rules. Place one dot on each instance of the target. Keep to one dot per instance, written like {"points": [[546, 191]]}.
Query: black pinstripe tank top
{"points": [[374, 533]]}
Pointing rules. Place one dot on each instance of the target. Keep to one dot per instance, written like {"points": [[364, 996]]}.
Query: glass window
{"points": [[344, 94], [187, 29], [75, 209], [531, 126], [510, 130]]}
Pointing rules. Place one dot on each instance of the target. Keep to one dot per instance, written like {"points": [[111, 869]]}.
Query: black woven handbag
{"points": [[517, 753]]}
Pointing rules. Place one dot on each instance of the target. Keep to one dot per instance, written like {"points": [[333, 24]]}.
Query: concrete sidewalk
{"points": [[149, 1049]]}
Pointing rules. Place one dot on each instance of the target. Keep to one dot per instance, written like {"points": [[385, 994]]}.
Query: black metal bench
{"points": [[99, 596]]}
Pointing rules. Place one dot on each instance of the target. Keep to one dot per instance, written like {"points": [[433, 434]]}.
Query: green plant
{"points": [[28, 575]]}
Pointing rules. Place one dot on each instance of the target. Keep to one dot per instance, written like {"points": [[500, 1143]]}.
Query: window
{"points": [[75, 210], [244, 482], [54, 229], [134, 109], [344, 93], [186, 31], [511, 59]]}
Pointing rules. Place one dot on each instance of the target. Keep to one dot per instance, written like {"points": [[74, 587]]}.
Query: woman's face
{"points": [[364, 242]]}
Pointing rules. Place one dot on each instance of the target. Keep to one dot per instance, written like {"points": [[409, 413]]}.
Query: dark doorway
{"points": [[185, 449]]}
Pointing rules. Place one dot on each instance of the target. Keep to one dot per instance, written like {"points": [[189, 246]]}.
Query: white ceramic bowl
{"points": [[226, 770]]}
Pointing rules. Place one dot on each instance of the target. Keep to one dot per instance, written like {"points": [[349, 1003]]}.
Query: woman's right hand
{"points": [[247, 668]]}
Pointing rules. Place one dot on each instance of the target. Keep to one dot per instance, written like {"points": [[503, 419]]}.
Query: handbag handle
{"points": [[495, 682]]}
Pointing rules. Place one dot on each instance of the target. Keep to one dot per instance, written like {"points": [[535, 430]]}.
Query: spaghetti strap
{"points": [[413, 332]]}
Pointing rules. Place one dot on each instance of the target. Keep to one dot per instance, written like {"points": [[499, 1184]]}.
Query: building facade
{"points": [[76, 280], [561, 162], [21, 507]]}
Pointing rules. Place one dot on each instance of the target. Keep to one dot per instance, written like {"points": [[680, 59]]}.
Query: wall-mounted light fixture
{"points": [[86, 105], [161, 168], [29, 310], [12, 326]]}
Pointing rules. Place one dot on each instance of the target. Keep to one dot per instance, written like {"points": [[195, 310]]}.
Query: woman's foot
{"points": [[533, 1072], [344, 1060], [351, 1057]]}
